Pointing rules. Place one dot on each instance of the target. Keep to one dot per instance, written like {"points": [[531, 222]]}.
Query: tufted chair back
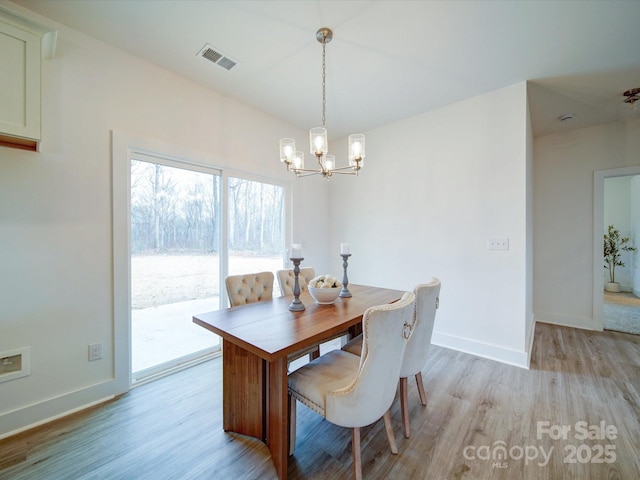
{"points": [[355, 391], [249, 288], [286, 279], [415, 356], [386, 329]]}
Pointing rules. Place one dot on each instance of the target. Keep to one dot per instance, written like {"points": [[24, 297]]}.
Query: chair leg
{"points": [[315, 354], [404, 406], [355, 451], [423, 394], [292, 425], [389, 428]]}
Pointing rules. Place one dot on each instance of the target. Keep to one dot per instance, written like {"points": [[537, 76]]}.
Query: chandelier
{"points": [[326, 164]]}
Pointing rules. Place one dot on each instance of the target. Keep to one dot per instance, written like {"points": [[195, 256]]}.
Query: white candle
{"points": [[344, 249], [296, 250]]}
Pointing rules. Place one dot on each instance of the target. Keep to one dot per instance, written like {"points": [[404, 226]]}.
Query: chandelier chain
{"points": [[324, 84]]}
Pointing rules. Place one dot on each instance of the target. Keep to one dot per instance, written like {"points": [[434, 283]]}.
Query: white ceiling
{"points": [[388, 59]]}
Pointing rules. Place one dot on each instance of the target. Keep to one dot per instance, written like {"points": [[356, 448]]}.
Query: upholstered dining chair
{"points": [[255, 287], [355, 391], [248, 288], [415, 356], [286, 279]]}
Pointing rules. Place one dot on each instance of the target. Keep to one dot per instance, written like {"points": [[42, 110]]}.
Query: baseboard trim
{"points": [[480, 349], [39, 413], [585, 323]]}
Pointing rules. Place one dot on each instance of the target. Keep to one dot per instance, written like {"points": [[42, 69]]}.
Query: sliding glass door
{"points": [[190, 227], [175, 252]]}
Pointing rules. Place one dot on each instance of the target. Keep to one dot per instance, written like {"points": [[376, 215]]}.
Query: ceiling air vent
{"points": [[215, 56]]}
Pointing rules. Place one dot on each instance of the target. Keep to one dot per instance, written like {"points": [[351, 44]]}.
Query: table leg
{"points": [[354, 331], [243, 391], [277, 415]]}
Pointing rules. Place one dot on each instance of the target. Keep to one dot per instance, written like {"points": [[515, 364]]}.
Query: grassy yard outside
{"points": [[164, 278]]}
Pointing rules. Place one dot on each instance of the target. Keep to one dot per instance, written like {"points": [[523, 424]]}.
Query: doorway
{"points": [[617, 203]]}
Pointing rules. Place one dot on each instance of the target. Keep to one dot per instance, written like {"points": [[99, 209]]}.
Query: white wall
{"points": [[56, 210], [564, 169], [433, 189]]}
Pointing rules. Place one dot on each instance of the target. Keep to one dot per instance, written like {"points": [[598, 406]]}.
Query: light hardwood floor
{"points": [[171, 428]]}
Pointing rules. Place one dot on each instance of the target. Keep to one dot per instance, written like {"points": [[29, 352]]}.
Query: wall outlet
{"points": [[498, 243], [95, 351]]}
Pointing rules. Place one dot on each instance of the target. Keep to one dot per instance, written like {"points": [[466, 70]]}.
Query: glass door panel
{"points": [[175, 222], [256, 227]]}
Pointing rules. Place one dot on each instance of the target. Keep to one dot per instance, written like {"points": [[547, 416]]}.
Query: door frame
{"points": [[124, 146], [599, 177]]}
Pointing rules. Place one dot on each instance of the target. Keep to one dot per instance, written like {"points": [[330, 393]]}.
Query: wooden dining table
{"points": [[256, 340]]}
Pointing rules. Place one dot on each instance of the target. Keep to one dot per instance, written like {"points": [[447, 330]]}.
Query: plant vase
{"points": [[612, 287]]}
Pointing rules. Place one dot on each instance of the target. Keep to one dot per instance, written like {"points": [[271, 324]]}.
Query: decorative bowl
{"points": [[324, 296]]}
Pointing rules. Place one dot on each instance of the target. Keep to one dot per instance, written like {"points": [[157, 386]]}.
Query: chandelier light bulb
{"points": [[356, 150], [329, 162], [287, 149], [318, 141]]}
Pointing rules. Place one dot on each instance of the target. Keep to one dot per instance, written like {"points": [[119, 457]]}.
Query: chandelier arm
{"points": [[315, 172], [348, 167]]}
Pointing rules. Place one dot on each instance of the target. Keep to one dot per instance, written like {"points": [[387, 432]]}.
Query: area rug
{"points": [[622, 312]]}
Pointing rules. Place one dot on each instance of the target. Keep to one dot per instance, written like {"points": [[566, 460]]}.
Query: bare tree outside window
{"points": [[173, 209], [256, 217]]}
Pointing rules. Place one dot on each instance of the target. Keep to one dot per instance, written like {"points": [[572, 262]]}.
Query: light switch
{"points": [[498, 243]]}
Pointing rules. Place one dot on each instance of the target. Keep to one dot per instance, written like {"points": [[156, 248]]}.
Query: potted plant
{"points": [[614, 245]]}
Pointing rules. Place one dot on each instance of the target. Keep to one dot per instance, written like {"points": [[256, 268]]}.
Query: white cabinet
{"points": [[19, 87]]}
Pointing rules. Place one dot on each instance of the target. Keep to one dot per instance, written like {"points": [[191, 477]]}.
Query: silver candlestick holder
{"points": [[345, 281], [296, 305]]}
